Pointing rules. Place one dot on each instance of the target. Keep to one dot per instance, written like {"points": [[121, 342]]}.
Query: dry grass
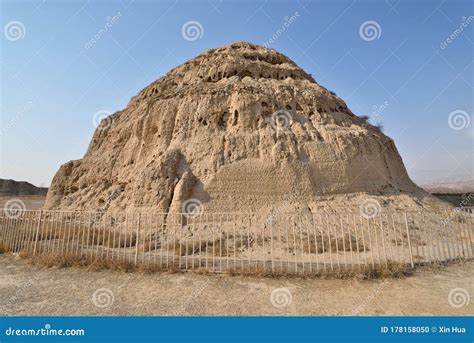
{"points": [[317, 244], [61, 260], [461, 218], [404, 240], [91, 236], [68, 232], [151, 243], [221, 247], [227, 246], [391, 270]]}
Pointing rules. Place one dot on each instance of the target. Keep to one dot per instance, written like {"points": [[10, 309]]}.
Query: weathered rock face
{"points": [[240, 128]]}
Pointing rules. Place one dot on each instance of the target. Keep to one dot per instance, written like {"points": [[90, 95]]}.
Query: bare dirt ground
{"points": [[33, 290]]}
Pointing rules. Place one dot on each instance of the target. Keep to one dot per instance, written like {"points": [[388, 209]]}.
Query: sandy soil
{"points": [[32, 290]]}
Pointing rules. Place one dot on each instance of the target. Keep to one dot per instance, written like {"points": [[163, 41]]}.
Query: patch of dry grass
{"points": [[61, 260], [319, 244], [391, 270], [69, 232], [221, 247]]}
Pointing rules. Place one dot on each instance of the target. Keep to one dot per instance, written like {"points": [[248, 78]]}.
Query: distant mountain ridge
{"points": [[450, 187], [18, 188]]}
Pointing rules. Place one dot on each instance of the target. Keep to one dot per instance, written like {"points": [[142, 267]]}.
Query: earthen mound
{"points": [[238, 128]]}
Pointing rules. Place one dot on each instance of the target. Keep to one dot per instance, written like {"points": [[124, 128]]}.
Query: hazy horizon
{"points": [[407, 65]]}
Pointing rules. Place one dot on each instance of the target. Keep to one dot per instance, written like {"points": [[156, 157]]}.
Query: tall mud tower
{"points": [[239, 128]]}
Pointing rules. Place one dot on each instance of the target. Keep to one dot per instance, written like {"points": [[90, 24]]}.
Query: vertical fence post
{"points": [[461, 240], [336, 242], [271, 243], [370, 243], [136, 240], [286, 220], [329, 241], [357, 240], [3, 231], [409, 241], [301, 224], [343, 242], [469, 237], [37, 231], [382, 234], [15, 233]]}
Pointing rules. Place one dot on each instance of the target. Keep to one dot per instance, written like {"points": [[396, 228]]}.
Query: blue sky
{"points": [[403, 72]]}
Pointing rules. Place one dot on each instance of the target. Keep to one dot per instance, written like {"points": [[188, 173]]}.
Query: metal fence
{"points": [[245, 243]]}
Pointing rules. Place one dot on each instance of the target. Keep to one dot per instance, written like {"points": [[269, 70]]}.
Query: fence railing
{"points": [[242, 243]]}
